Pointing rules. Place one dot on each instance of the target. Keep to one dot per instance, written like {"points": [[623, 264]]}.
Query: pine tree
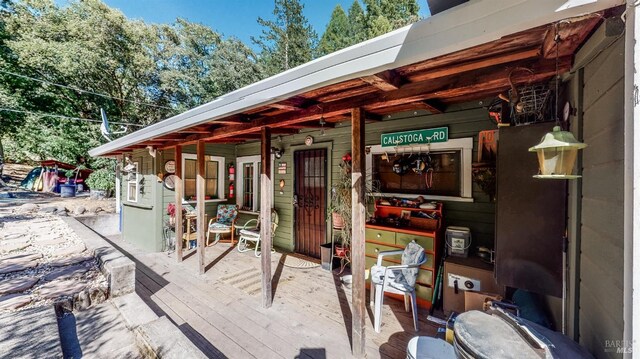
{"points": [[357, 23], [336, 35], [288, 41], [383, 16]]}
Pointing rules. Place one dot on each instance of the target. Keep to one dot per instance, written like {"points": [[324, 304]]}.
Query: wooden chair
{"points": [[251, 233], [224, 222], [397, 279]]}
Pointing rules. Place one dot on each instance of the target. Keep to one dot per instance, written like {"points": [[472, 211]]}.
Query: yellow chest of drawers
{"points": [[380, 238]]}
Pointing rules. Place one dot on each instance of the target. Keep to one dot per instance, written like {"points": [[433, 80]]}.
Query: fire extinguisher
{"points": [[230, 190], [232, 173]]}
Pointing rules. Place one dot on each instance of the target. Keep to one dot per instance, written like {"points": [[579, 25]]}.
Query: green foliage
{"points": [[287, 41], [147, 72], [381, 17], [102, 179], [336, 36]]}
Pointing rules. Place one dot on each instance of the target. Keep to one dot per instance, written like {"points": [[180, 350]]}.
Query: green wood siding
{"points": [[463, 121], [601, 252]]}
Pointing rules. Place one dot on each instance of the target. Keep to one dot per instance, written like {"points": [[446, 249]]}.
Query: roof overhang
{"points": [[465, 26]]}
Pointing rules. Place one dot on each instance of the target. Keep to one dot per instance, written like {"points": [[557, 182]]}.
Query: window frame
{"points": [[464, 145], [240, 162], [221, 175], [135, 181]]}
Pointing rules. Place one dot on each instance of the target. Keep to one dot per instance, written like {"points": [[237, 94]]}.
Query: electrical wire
{"points": [[81, 90], [66, 117]]}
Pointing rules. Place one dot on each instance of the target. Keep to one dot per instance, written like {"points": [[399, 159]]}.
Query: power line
{"points": [[81, 90], [66, 117]]}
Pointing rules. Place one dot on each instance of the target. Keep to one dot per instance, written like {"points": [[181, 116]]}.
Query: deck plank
{"points": [[221, 311]]}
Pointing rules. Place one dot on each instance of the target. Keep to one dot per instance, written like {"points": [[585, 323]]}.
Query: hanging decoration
{"points": [[558, 149]]}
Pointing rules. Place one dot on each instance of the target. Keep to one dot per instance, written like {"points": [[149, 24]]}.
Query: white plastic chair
{"points": [[250, 232], [397, 279]]}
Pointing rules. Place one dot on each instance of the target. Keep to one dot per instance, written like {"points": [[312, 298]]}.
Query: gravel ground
{"points": [[38, 246]]}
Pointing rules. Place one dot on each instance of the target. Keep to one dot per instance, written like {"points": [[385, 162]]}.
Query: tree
{"points": [[138, 73], [357, 23], [287, 41], [383, 16], [336, 35]]}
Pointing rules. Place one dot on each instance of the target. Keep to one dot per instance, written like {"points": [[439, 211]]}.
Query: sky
{"points": [[229, 17]]}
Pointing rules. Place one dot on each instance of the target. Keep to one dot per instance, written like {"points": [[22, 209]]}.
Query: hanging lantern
{"points": [[557, 153]]}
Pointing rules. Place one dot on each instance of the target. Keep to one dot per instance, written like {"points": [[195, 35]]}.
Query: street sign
{"points": [[415, 137]]}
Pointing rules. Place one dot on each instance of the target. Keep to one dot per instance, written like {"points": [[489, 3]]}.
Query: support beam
{"points": [[386, 81], [266, 203], [492, 79], [200, 204], [179, 195], [433, 107], [358, 178]]}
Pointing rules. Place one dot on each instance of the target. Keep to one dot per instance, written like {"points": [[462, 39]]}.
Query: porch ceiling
{"points": [[474, 73]]}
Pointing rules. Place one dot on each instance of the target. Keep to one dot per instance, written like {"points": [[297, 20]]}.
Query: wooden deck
{"points": [[221, 313]]}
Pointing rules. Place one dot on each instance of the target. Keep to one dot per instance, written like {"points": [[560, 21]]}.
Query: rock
{"points": [[14, 301], [59, 288], [75, 249], [62, 214], [66, 273], [27, 208], [10, 236], [17, 285], [6, 195], [19, 262], [66, 261], [61, 209], [83, 302], [79, 210], [13, 246], [50, 210], [97, 295], [96, 209], [49, 241]]}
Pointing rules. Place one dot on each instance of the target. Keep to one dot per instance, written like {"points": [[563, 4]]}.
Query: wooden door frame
{"points": [[316, 146]]}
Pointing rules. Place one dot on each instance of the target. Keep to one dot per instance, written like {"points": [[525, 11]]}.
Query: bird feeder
{"points": [[557, 153]]}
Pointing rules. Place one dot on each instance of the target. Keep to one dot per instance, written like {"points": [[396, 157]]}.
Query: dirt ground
{"points": [[12, 196]]}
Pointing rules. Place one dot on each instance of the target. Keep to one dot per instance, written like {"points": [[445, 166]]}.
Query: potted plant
{"points": [[102, 183], [340, 206]]}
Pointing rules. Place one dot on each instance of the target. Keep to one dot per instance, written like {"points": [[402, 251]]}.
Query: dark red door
{"points": [[310, 201]]}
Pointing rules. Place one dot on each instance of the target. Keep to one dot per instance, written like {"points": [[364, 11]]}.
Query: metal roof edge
{"points": [[470, 24]]}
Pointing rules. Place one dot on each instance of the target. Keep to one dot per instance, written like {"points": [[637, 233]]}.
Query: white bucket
{"points": [[429, 348]]}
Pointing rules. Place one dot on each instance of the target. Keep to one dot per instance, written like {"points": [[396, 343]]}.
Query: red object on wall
{"points": [[487, 146], [232, 172], [231, 190]]}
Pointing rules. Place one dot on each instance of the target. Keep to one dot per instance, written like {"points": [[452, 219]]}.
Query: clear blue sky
{"points": [[230, 17]]}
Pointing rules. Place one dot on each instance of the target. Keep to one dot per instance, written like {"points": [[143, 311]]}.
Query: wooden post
{"points": [[201, 226], [179, 195], [118, 184], [266, 203], [358, 178]]}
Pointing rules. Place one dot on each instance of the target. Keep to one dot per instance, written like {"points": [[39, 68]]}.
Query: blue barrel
{"points": [[67, 190]]}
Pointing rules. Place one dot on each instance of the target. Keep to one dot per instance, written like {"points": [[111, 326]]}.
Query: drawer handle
{"points": [[376, 250], [379, 235]]}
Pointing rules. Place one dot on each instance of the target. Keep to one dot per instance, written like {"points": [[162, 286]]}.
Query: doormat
{"points": [[298, 261]]}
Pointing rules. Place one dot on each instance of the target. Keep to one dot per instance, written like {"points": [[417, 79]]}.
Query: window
{"points": [[133, 184], [450, 178], [213, 177], [248, 182], [443, 179]]}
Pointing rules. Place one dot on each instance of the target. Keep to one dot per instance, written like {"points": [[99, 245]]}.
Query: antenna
{"points": [[104, 126]]}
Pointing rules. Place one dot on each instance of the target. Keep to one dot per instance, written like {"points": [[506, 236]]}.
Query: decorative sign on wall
{"points": [[415, 137], [282, 168]]}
